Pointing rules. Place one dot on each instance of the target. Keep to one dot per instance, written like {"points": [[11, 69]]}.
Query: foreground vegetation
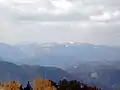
{"points": [[41, 84]]}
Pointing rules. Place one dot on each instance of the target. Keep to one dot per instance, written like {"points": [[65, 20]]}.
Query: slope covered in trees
{"points": [[41, 84]]}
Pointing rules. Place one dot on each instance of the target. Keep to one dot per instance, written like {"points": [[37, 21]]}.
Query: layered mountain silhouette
{"points": [[102, 74], [23, 73], [58, 55], [93, 64]]}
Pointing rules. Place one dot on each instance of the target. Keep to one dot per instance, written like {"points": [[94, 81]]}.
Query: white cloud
{"points": [[106, 16], [62, 5]]}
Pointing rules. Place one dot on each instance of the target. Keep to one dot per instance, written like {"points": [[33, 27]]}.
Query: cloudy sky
{"points": [[91, 21]]}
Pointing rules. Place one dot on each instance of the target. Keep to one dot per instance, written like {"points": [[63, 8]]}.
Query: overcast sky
{"points": [[91, 21]]}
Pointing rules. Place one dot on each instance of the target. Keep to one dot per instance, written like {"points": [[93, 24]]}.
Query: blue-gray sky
{"points": [[91, 21]]}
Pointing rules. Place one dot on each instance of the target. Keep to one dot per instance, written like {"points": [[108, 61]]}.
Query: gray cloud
{"points": [[93, 21], [60, 10]]}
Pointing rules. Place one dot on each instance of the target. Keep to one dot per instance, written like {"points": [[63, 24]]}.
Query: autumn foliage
{"points": [[14, 85], [41, 84]]}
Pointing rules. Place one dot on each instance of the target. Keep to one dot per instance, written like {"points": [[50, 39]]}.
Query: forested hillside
{"points": [[41, 84]]}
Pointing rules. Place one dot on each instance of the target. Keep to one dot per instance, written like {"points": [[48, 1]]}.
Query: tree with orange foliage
{"points": [[12, 86], [40, 84]]}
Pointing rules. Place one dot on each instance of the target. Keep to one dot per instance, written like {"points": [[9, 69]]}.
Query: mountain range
{"points": [[58, 55], [102, 74], [23, 73], [93, 64]]}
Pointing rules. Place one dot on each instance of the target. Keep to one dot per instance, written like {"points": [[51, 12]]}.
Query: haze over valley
{"points": [[61, 39]]}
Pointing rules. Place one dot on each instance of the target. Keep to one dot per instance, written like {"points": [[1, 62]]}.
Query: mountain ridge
{"points": [[23, 73], [57, 54]]}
